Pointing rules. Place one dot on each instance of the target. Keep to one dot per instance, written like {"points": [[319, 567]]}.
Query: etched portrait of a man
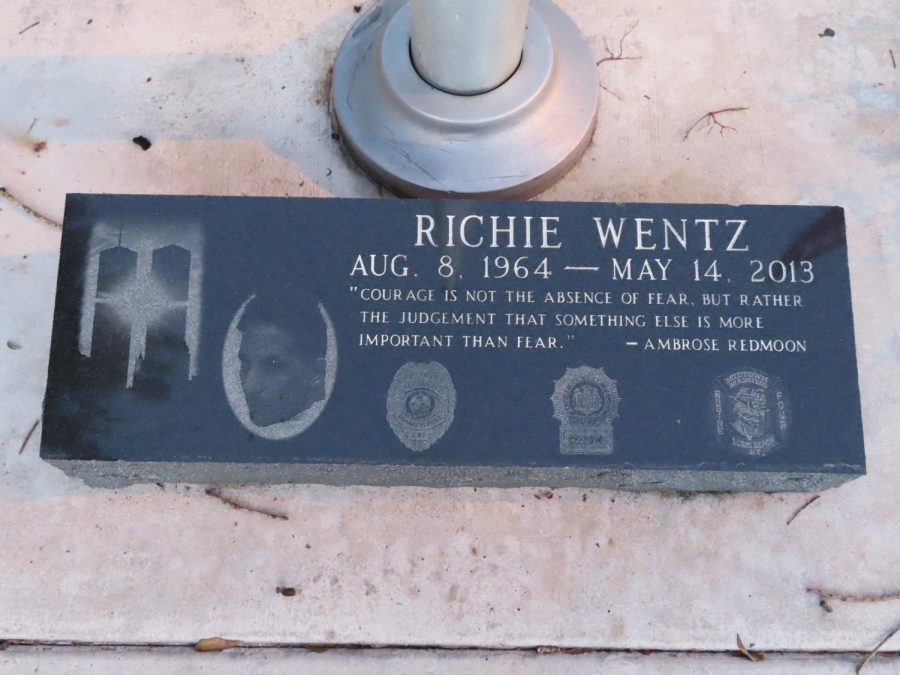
{"points": [[279, 364]]}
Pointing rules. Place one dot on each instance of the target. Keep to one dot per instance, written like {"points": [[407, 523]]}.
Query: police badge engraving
{"points": [[585, 401], [751, 412], [421, 402]]}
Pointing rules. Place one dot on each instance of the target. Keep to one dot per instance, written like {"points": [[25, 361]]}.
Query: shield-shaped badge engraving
{"points": [[421, 402], [585, 401]]}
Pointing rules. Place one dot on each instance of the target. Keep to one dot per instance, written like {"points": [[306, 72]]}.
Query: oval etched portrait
{"points": [[279, 365]]}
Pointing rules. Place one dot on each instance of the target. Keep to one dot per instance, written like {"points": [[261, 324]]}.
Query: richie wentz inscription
{"points": [[623, 238], [699, 347]]}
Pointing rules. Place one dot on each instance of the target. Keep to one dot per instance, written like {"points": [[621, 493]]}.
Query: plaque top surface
{"points": [[440, 335]]}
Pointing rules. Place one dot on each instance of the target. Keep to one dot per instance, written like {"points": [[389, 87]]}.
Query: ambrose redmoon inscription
{"points": [[698, 347]]}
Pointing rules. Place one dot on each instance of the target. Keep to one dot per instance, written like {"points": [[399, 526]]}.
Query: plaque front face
{"points": [[699, 347]]}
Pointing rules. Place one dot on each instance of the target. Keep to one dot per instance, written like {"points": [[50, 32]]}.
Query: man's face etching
{"points": [[279, 382]]}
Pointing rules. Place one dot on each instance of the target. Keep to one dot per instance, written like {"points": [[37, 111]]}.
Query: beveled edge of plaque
{"points": [[112, 474]]}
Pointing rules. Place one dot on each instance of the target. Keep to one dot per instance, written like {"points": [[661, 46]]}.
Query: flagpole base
{"points": [[509, 143]]}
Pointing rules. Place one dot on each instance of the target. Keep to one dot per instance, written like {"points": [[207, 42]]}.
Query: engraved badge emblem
{"points": [[421, 403], [585, 401], [751, 412]]}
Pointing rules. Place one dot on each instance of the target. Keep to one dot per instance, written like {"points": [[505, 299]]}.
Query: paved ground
{"points": [[169, 661], [233, 97]]}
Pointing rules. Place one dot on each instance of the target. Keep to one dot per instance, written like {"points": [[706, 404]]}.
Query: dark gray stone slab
{"points": [[638, 346]]}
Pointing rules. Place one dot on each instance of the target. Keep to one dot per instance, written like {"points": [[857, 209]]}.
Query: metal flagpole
{"points": [[467, 46]]}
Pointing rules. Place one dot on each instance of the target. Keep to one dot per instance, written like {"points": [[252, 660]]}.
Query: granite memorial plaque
{"points": [[640, 346]]}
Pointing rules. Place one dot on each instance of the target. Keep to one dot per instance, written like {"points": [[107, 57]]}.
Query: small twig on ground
{"points": [[893, 60], [825, 596], [610, 91], [617, 56], [620, 55], [800, 510], [875, 651], [5, 194], [31, 126], [28, 28], [212, 492], [29, 435], [710, 120]]}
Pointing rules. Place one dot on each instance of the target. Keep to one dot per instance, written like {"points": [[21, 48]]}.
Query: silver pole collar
{"points": [[511, 142]]}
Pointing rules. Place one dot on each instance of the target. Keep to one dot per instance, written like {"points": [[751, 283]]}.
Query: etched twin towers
{"points": [[138, 282]]}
